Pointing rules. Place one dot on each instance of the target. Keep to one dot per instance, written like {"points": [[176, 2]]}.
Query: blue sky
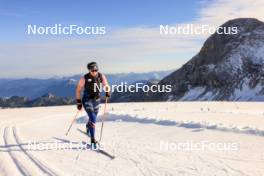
{"points": [[132, 42], [16, 14]]}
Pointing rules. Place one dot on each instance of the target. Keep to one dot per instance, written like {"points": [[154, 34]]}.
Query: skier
{"points": [[90, 84]]}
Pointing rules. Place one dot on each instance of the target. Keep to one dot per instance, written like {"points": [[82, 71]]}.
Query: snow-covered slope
{"points": [[145, 139]]}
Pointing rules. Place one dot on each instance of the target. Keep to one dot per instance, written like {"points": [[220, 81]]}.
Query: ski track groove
{"points": [[45, 169], [20, 167], [6, 168]]}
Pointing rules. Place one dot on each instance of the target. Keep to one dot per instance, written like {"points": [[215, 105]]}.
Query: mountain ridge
{"points": [[228, 67]]}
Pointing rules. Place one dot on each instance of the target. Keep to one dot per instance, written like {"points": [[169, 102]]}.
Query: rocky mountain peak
{"points": [[228, 67]]}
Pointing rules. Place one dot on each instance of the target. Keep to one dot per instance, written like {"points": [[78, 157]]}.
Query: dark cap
{"points": [[92, 66]]}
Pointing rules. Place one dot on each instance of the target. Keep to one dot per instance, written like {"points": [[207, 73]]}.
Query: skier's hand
{"points": [[79, 104], [107, 94]]}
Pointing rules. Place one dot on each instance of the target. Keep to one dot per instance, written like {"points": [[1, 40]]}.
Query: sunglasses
{"points": [[94, 70]]}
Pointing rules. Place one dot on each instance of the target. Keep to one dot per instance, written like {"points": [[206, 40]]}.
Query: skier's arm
{"points": [[79, 88], [106, 86]]}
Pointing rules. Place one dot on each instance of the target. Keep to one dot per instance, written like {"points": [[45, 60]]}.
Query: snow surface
{"points": [[133, 133]]}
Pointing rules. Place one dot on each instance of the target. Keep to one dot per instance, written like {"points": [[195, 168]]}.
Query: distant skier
{"points": [[91, 96]]}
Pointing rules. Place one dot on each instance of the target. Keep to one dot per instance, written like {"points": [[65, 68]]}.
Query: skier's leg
{"points": [[88, 106], [95, 109], [91, 123], [88, 130], [91, 107]]}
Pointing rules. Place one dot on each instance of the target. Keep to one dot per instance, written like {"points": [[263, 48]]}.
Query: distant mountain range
{"points": [[65, 87], [45, 100]]}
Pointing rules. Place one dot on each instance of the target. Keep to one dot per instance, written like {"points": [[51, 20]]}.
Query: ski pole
{"points": [[102, 126], [72, 122]]}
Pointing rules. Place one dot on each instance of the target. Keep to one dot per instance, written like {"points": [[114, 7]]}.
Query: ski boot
{"points": [[94, 144]]}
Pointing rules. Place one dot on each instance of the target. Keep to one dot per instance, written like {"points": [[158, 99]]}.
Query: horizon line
{"points": [[67, 76]]}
